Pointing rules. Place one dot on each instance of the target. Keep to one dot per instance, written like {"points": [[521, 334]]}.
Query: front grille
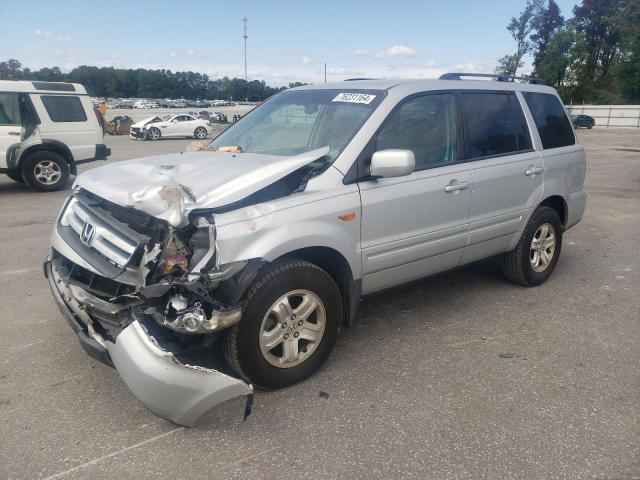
{"points": [[99, 236], [92, 282]]}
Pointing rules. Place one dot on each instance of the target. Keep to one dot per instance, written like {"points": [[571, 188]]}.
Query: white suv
{"points": [[322, 194], [46, 130]]}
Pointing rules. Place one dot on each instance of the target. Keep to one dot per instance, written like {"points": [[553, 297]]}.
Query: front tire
{"points": [[289, 325], [154, 134], [200, 133], [536, 255], [45, 171]]}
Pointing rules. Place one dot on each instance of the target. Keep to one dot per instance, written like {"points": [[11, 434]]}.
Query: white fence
{"points": [[609, 115]]}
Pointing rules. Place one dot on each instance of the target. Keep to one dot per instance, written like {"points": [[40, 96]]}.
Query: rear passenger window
{"points": [[493, 125], [63, 108], [9, 109], [425, 125], [551, 119]]}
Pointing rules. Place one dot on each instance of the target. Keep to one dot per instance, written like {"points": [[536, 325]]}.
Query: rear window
{"points": [[493, 125], [550, 119], [63, 108]]}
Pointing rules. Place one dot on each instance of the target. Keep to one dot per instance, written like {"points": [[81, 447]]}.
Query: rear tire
{"points": [[45, 171], [536, 255], [279, 341], [200, 133]]}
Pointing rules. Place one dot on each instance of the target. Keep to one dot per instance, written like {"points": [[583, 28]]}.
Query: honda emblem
{"points": [[87, 234]]}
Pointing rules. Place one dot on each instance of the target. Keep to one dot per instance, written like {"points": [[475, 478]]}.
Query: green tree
{"points": [[629, 67], [520, 29], [560, 56], [11, 69], [545, 23]]}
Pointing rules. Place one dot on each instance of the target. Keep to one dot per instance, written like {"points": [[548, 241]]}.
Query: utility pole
{"points": [[246, 78], [244, 20], [325, 72]]}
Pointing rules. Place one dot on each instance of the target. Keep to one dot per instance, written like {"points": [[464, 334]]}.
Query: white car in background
{"points": [[172, 125]]}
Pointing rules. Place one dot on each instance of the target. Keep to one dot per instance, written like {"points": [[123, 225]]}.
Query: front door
{"points": [[416, 225]]}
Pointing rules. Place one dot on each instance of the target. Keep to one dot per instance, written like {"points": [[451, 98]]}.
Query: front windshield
{"points": [[291, 123], [166, 118]]}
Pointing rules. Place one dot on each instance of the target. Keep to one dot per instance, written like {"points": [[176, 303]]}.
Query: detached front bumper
{"points": [[138, 134], [178, 392]]}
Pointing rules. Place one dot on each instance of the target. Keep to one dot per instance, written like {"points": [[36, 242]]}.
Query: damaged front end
{"points": [[149, 299]]}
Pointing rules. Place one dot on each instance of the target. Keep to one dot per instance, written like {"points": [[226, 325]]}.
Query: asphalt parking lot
{"points": [[462, 375]]}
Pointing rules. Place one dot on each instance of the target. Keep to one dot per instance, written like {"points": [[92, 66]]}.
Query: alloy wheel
{"points": [[543, 247], [292, 328], [47, 172]]}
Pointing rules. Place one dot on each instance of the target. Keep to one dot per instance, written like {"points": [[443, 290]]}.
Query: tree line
{"points": [[592, 57], [141, 83]]}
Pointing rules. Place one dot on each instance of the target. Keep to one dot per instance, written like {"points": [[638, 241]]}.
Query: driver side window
{"points": [[426, 125]]}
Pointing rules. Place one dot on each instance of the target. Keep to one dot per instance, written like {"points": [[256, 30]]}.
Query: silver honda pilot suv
{"points": [[263, 245]]}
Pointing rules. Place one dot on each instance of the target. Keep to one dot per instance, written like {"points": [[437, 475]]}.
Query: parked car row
{"points": [[129, 103]]}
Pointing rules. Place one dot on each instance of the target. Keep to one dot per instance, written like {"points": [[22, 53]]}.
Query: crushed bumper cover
{"points": [[180, 393], [172, 390]]}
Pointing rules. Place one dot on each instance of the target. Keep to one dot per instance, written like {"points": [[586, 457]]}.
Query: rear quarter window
{"points": [[9, 109], [64, 108], [550, 119]]}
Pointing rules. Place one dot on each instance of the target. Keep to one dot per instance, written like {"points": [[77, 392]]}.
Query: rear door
{"points": [[416, 225], [10, 128], [69, 119], [507, 172]]}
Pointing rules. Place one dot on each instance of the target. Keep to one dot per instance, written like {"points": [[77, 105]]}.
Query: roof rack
{"points": [[357, 79], [496, 76]]}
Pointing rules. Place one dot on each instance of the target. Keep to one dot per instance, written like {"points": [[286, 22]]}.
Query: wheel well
{"points": [[558, 204], [56, 147], [334, 263]]}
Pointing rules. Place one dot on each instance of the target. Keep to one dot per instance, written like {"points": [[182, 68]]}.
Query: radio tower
{"points": [[244, 20]]}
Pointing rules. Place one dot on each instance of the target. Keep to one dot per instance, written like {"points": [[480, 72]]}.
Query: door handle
{"points": [[14, 133], [455, 186], [533, 171]]}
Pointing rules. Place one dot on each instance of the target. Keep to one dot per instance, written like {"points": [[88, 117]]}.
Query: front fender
{"points": [[278, 233]]}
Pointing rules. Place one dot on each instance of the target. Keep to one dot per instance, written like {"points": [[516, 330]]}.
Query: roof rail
{"points": [[496, 76], [356, 79]]}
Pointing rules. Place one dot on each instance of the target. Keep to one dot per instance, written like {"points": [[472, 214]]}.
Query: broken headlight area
{"points": [[165, 273]]}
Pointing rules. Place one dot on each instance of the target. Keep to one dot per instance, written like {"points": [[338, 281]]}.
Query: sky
{"points": [[287, 41]]}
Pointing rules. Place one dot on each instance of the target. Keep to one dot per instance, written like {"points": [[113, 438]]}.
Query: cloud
{"points": [[115, 61], [362, 52], [189, 53], [306, 60], [342, 71], [397, 51], [50, 35]]}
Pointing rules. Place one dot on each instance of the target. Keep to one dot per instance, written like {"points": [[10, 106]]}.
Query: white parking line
{"points": [[20, 271], [113, 454]]}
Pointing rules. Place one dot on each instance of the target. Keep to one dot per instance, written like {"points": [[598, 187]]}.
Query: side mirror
{"points": [[392, 163]]}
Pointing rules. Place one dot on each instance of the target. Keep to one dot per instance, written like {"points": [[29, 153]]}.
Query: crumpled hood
{"points": [[168, 187], [142, 123]]}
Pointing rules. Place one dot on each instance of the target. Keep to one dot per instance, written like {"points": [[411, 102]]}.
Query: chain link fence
{"points": [[609, 115]]}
